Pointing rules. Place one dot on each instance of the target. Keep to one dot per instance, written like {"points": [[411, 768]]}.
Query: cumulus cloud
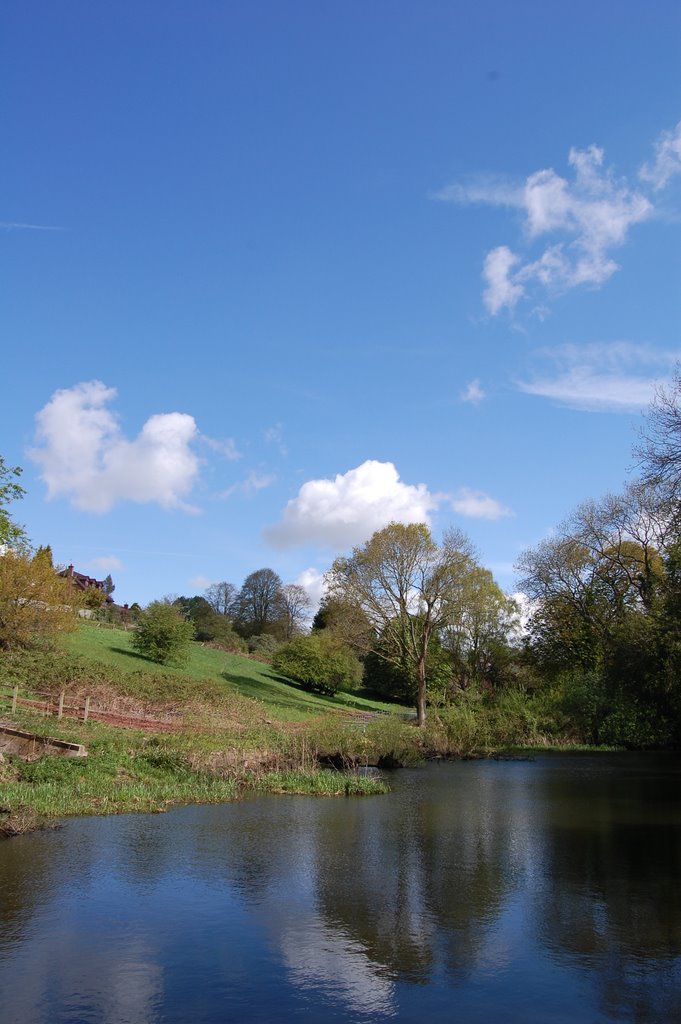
{"points": [[345, 511], [478, 505], [84, 455], [615, 377], [580, 218], [473, 393], [312, 581], [667, 162]]}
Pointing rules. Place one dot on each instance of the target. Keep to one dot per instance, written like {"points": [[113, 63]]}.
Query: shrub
{"points": [[263, 645], [318, 662], [163, 634]]}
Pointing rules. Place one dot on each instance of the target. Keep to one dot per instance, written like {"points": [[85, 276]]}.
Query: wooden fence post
{"points": [[86, 712], [15, 694], [60, 712]]}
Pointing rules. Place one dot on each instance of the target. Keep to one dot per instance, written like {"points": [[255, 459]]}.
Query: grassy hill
{"points": [[282, 698]]}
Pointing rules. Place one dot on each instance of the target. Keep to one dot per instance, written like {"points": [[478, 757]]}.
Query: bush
{"points": [[163, 634], [318, 662], [263, 645]]}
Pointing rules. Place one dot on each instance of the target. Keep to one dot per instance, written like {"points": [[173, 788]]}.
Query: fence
{"points": [[56, 705]]}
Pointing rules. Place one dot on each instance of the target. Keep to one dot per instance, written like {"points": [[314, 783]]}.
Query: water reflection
{"points": [[611, 899], [475, 886]]}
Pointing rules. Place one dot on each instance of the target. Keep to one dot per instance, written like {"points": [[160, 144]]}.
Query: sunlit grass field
{"points": [[281, 697]]}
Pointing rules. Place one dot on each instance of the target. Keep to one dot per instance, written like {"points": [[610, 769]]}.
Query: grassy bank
{"points": [[238, 727]]}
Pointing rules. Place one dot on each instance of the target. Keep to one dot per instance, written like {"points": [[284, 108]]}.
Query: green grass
{"points": [[245, 729], [282, 699], [128, 770]]}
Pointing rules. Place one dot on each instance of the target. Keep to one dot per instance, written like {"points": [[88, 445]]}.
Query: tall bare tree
{"points": [[257, 605], [659, 451], [294, 605], [220, 597]]}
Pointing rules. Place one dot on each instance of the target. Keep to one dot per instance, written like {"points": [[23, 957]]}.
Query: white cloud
{"points": [[105, 563], [478, 505], [312, 580], [616, 377], [667, 163], [84, 455], [526, 609], [473, 393], [500, 290], [254, 482], [589, 215], [345, 511]]}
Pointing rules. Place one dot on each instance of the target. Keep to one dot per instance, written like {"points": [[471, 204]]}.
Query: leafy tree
{"points": [[389, 678], [11, 534], [257, 606], [46, 553], [163, 634], [208, 624], [319, 662], [109, 586], [35, 603], [220, 597], [602, 565], [478, 629], [93, 598], [408, 587]]}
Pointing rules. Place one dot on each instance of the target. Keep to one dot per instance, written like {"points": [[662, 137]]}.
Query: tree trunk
{"points": [[421, 692]]}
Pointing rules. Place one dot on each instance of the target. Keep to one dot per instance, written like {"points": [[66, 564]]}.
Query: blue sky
{"points": [[277, 273]]}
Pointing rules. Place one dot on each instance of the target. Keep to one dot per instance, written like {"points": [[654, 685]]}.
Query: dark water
{"points": [[477, 892]]}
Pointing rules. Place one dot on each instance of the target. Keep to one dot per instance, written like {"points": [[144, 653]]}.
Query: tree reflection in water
{"points": [[509, 891]]}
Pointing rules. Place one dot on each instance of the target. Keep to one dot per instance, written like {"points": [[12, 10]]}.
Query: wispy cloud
{"points": [[478, 505], [615, 377], [14, 225], [254, 482], [223, 446], [473, 393], [580, 218], [105, 563], [275, 435], [667, 162], [200, 582]]}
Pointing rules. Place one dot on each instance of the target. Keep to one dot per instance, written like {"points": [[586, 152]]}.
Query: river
{"points": [[539, 892]]}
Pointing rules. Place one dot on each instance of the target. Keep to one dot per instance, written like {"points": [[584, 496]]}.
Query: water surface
{"points": [[545, 891]]}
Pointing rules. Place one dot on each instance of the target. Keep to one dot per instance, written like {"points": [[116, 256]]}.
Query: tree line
{"points": [[422, 622], [605, 631]]}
